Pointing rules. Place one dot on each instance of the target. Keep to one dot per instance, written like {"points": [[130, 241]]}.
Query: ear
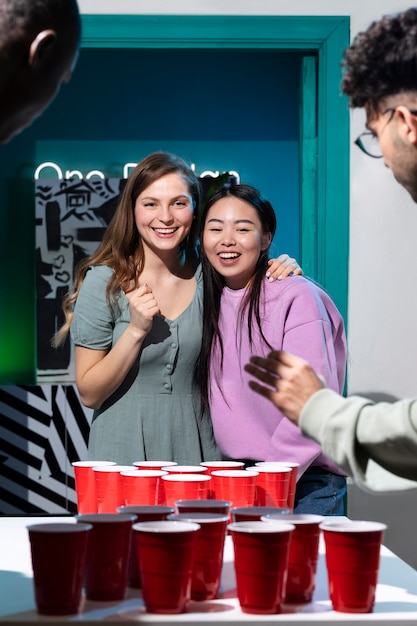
{"points": [[266, 241], [40, 46], [410, 123]]}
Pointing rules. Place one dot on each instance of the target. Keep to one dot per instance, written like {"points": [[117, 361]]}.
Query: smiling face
{"points": [[233, 240], [164, 213]]}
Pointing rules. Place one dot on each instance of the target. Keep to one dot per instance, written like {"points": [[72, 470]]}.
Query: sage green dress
{"points": [[155, 413]]}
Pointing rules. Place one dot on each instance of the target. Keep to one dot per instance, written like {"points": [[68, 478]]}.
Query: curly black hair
{"points": [[382, 61]]}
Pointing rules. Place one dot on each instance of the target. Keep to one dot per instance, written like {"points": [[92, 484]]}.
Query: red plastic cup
{"points": [[255, 513], [109, 487], [352, 558], [217, 466], [85, 484], [261, 564], [142, 487], [214, 466], [185, 487], [237, 486], [143, 513], [156, 465], [208, 556], [184, 469], [58, 561], [221, 507], [272, 485], [107, 555], [165, 555], [304, 552], [293, 478]]}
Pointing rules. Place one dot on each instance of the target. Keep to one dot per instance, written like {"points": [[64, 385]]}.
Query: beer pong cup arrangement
{"points": [[221, 507], [255, 513], [142, 487], [185, 487], [261, 561], [292, 485], [352, 559], [303, 557], [144, 513], [237, 486], [272, 485], [107, 555], [208, 554], [165, 553], [109, 487], [85, 484], [58, 561]]}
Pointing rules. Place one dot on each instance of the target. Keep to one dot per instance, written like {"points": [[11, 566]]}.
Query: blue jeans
{"points": [[321, 493]]}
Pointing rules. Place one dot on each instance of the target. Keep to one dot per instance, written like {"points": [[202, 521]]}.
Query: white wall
{"points": [[382, 321]]}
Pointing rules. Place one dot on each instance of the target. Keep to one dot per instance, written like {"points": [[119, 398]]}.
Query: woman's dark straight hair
{"points": [[214, 284]]}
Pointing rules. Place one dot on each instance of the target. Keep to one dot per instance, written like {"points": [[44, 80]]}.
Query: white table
{"points": [[396, 598]]}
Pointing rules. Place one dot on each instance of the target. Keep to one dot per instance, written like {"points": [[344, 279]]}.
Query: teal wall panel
{"points": [[324, 36], [221, 110]]}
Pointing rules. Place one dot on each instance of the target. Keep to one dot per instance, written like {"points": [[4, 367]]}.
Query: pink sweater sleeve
{"points": [[313, 329]]}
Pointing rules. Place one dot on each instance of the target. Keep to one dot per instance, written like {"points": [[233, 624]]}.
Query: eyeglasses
{"points": [[368, 142]]}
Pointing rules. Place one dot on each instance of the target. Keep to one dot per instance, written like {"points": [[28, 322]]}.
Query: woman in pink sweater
{"points": [[244, 314]]}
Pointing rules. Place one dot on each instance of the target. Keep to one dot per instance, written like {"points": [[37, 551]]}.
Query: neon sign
{"points": [[46, 166]]}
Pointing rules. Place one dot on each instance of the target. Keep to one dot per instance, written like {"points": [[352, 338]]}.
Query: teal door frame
{"points": [[327, 202]]}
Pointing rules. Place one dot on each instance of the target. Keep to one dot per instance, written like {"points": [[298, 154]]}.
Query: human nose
{"points": [[228, 238], [165, 214]]}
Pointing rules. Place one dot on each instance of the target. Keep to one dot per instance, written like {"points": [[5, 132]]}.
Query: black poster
{"points": [[71, 217]]}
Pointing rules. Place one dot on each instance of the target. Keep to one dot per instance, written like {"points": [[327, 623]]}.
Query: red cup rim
{"points": [[103, 518], [165, 526], [192, 469], [145, 508], [198, 517], [235, 473], [59, 527], [113, 468], [293, 518], [265, 469], [258, 510], [144, 473], [291, 464], [260, 527], [352, 526], [189, 478], [204, 503]]}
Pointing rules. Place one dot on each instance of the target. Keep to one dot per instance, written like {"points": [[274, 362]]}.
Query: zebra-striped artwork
{"points": [[42, 430]]}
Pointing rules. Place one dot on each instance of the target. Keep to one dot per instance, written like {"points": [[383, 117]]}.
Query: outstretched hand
{"points": [[286, 380]]}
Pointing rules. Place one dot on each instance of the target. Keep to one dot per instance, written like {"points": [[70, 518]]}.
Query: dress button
{"points": [[166, 386], [168, 366], [173, 345]]}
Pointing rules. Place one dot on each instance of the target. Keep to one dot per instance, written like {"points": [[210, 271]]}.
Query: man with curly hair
{"points": [[39, 42], [376, 443]]}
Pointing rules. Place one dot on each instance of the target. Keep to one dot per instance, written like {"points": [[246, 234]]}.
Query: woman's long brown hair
{"points": [[121, 247]]}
